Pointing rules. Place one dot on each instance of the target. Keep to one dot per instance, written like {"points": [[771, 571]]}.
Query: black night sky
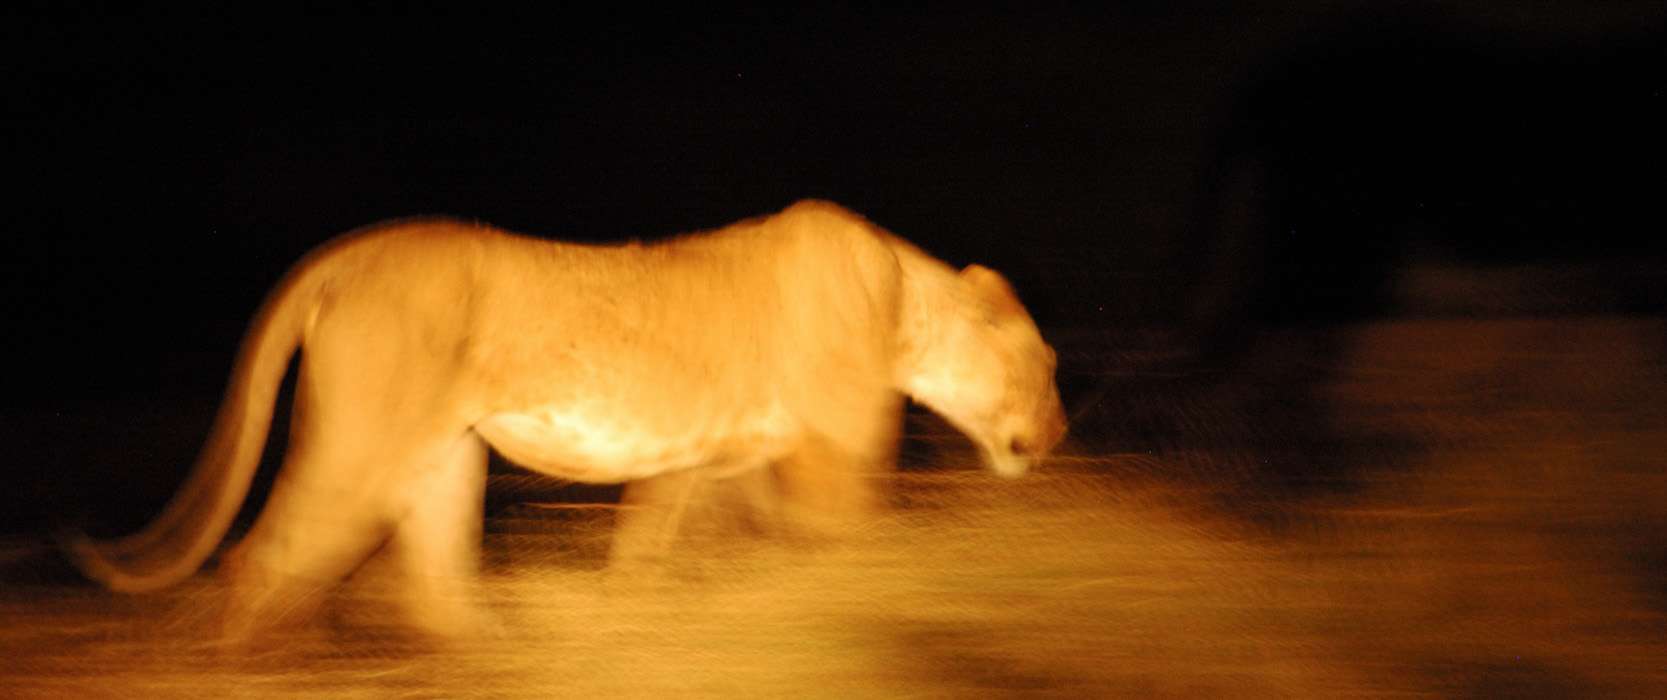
{"points": [[167, 168]]}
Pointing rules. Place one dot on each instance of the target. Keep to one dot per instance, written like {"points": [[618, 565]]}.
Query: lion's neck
{"points": [[930, 296]]}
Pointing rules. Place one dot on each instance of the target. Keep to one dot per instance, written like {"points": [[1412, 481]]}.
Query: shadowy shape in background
{"points": [[1403, 164]]}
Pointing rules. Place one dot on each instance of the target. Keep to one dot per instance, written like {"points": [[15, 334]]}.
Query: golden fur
{"points": [[785, 340]]}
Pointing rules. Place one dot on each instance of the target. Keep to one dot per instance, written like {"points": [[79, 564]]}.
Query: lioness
{"points": [[787, 339]]}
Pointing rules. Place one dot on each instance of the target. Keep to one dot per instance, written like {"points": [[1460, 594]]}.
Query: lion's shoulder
{"points": [[828, 229], [822, 217], [822, 208]]}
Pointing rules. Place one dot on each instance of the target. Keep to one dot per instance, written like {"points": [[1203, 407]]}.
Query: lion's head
{"points": [[985, 368]]}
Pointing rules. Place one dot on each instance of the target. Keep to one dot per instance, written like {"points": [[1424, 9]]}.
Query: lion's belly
{"points": [[571, 443]]}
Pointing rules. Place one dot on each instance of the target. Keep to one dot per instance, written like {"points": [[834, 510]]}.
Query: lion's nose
{"points": [[1037, 444], [1019, 446], [1039, 435]]}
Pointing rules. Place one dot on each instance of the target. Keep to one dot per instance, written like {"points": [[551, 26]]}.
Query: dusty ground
{"points": [[1418, 508]]}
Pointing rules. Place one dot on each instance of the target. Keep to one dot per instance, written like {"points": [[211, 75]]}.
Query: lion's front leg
{"points": [[834, 481], [821, 490], [828, 485], [826, 490], [650, 513]]}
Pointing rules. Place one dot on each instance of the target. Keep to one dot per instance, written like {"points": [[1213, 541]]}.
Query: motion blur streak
{"points": [[1499, 535]]}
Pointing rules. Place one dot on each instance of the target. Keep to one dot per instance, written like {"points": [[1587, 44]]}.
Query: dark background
{"points": [[1207, 172]]}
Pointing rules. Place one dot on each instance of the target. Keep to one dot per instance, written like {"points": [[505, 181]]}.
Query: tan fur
{"points": [[787, 340]]}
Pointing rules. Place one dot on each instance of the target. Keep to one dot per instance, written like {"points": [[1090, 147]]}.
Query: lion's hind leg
{"points": [[435, 547], [308, 538], [338, 500]]}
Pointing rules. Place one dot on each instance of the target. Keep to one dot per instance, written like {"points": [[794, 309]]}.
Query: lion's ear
{"points": [[993, 289]]}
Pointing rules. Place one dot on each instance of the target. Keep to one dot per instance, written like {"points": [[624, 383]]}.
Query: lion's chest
{"points": [[590, 445]]}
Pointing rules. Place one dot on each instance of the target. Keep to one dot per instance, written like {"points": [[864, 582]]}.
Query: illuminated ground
{"points": [[1480, 514]]}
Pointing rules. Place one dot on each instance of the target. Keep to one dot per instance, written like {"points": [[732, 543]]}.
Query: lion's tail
{"points": [[176, 543]]}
